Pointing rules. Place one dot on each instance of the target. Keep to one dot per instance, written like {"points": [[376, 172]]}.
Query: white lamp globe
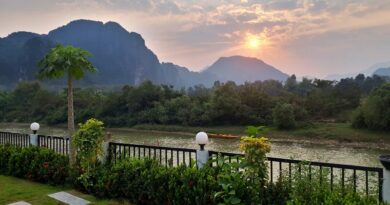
{"points": [[201, 138], [34, 126]]}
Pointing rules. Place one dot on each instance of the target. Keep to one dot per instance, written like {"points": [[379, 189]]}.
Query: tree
{"points": [[225, 103], [71, 62], [374, 113], [291, 83], [284, 117]]}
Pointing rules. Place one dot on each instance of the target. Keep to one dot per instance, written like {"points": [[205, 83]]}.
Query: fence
{"points": [[367, 179], [21, 140], [58, 144], [167, 156]]}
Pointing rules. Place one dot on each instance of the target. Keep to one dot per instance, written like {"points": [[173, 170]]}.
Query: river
{"points": [[303, 151]]}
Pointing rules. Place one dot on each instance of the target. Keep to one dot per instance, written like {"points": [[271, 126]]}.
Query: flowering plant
{"points": [[255, 149]]}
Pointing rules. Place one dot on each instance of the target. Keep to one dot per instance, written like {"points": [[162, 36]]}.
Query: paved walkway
{"points": [[20, 203], [67, 198]]}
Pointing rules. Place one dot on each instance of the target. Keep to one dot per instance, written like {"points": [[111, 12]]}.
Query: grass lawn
{"points": [[14, 189], [334, 131]]}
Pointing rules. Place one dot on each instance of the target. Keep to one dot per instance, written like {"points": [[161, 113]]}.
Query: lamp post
{"points": [[202, 155], [385, 160], [34, 136]]}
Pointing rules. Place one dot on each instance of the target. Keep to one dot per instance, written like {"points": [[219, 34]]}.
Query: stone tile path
{"points": [[20, 203], [68, 198]]}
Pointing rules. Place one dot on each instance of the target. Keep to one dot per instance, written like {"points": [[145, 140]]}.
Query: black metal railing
{"points": [[361, 178], [57, 144], [167, 156], [17, 139]]}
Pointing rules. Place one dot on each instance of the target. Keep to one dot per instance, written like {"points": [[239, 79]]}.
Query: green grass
{"points": [[334, 131], [14, 189]]}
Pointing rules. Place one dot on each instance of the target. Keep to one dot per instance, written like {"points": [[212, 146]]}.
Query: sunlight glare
{"points": [[253, 42]]}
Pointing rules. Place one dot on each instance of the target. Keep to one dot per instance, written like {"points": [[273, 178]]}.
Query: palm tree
{"points": [[67, 61]]}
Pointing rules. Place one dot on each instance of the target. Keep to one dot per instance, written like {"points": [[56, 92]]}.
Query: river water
{"points": [[302, 151]]}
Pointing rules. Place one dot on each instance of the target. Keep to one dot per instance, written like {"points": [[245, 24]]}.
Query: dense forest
{"points": [[285, 105]]}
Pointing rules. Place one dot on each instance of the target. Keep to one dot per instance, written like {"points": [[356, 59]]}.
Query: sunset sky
{"points": [[305, 37]]}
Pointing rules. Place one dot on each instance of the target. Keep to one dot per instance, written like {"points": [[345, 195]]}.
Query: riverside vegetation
{"points": [[360, 101], [146, 182]]}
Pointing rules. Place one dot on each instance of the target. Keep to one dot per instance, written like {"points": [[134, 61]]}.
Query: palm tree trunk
{"points": [[71, 129]]}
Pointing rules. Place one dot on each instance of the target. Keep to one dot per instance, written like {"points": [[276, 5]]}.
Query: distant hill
{"points": [[383, 71], [367, 72], [120, 56], [241, 69]]}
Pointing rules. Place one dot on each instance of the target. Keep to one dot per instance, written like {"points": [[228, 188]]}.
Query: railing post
{"points": [[385, 160], [34, 139], [202, 156], [106, 147]]}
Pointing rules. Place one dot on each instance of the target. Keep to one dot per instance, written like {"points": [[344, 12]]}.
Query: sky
{"points": [[304, 37]]}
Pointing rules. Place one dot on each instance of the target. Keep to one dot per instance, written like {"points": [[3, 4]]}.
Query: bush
{"points": [[33, 163], [5, 154], [284, 117], [374, 112], [88, 142], [147, 182]]}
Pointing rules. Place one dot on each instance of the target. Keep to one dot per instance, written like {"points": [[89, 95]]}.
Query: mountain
{"points": [[367, 72], [383, 71], [19, 53], [121, 57], [242, 69], [178, 75]]}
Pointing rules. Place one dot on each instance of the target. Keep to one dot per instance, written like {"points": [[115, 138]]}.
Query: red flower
{"points": [[45, 165]]}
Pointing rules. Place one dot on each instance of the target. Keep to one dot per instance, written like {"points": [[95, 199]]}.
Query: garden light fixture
{"points": [[201, 139], [34, 127]]}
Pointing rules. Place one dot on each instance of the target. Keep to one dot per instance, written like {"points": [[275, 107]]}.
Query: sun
{"points": [[253, 42]]}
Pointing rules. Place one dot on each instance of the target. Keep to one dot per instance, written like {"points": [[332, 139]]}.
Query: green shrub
{"points": [[88, 142], [284, 117], [5, 153], [147, 182], [374, 112], [33, 163]]}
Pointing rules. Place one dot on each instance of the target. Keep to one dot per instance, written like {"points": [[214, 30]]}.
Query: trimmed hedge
{"points": [[33, 163], [147, 182]]}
